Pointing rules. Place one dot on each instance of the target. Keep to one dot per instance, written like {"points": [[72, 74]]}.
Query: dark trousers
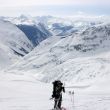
{"points": [[58, 102]]}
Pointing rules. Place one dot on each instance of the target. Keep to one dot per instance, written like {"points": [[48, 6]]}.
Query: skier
{"points": [[58, 88]]}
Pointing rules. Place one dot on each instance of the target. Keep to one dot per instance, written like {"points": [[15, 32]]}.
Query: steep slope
{"points": [[81, 57], [13, 43], [34, 30], [35, 33]]}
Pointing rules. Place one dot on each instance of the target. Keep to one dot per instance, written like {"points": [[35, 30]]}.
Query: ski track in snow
{"points": [[25, 93]]}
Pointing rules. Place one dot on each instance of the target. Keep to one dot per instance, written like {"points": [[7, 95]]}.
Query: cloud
{"points": [[53, 7], [34, 2], [64, 10], [50, 2]]}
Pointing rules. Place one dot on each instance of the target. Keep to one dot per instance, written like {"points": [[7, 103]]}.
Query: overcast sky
{"points": [[54, 7]]}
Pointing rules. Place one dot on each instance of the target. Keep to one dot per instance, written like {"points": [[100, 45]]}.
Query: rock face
{"points": [[35, 34]]}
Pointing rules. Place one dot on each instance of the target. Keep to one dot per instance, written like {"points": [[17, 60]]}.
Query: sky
{"points": [[54, 7]]}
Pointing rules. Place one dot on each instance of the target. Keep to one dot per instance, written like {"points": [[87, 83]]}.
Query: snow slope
{"points": [[34, 30], [23, 92], [82, 61], [13, 43], [81, 57], [35, 33]]}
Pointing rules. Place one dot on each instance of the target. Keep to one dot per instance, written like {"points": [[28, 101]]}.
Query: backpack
{"points": [[57, 89]]}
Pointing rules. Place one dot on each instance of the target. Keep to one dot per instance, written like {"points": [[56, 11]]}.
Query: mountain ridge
{"points": [[13, 43], [75, 58]]}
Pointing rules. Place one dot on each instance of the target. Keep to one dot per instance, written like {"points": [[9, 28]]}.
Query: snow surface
{"points": [[13, 43], [23, 92], [34, 30], [81, 61], [81, 57]]}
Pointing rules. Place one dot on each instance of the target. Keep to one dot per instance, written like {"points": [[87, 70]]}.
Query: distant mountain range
{"points": [[40, 28], [56, 48]]}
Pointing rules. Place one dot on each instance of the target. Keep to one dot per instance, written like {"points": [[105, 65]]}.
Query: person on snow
{"points": [[58, 88]]}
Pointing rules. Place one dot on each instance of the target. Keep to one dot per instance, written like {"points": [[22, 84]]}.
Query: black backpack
{"points": [[57, 88]]}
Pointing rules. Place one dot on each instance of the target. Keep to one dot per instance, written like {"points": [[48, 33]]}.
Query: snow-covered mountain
{"points": [[81, 60], [80, 57], [34, 30], [35, 34], [68, 25], [23, 19], [56, 25], [13, 43]]}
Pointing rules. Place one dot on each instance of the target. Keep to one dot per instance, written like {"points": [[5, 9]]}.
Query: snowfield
{"points": [[80, 60], [23, 92], [81, 57], [13, 44]]}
